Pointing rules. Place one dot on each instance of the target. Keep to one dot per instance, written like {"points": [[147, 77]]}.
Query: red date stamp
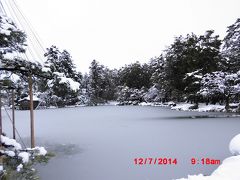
{"points": [[155, 161], [205, 161]]}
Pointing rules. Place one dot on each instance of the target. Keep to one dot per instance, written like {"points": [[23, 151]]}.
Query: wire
{"points": [[15, 128], [34, 38], [35, 34], [2, 8], [34, 51]]}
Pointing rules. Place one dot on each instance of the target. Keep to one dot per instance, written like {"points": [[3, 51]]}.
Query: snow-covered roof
{"points": [[35, 98]]}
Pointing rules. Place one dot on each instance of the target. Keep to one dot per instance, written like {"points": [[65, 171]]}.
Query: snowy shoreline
{"points": [[202, 107]]}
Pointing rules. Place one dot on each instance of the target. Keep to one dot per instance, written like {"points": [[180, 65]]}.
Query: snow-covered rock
{"points": [[234, 145]]}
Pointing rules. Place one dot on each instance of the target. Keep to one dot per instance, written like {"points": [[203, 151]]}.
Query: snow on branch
{"points": [[13, 150]]}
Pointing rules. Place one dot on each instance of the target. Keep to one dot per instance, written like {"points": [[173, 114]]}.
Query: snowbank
{"points": [[234, 145], [229, 169]]}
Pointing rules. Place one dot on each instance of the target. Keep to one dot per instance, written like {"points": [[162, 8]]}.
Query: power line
{"points": [[35, 34], [10, 119], [34, 48], [33, 37], [2, 8]]}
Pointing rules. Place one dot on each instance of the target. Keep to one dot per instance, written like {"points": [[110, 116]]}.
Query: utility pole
{"points": [[0, 117], [1, 158], [13, 114], [31, 112]]}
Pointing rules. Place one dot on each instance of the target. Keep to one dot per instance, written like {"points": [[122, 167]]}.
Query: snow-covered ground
{"points": [[229, 169]]}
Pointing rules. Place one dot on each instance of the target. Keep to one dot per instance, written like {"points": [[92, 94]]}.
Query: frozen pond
{"points": [[100, 143]]}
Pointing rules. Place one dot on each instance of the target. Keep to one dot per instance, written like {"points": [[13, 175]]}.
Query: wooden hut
{"points": [[24, 104]]}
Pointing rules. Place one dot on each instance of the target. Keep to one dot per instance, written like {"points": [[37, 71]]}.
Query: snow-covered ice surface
{"points": [[101, 142]]}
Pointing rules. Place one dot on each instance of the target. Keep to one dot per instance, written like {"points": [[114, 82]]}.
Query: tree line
{"points": [[194, 68]]}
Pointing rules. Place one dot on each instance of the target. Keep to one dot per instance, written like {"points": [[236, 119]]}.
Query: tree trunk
{"points": [[227, 103]]}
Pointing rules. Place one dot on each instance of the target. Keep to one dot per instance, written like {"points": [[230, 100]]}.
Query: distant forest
{"points": [[194, 68]]}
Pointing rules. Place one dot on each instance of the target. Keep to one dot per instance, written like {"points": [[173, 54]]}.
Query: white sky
{"points": [[118, 32]]}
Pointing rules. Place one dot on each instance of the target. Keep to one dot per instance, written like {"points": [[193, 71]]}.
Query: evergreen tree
{"points": [[135, 76], [65, 80], [217, 86], [97, 83], [158, 80], [191, 54], [231, 48], [11, 38]]}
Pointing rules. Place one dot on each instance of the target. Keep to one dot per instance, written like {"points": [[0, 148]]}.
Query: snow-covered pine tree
{"points": [[65, 80], [231, 48], [220, 86], [97, 83], [159, 81], [11, 38], [187, 55]]}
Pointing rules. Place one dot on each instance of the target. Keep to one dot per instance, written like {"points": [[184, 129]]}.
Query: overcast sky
{"points": [[118, 32]]}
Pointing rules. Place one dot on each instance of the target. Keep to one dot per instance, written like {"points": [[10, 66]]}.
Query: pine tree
{"points": [[135, 75], [11, 38], [97, 83], [187, 55], [65, 80], [231, 48]]}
